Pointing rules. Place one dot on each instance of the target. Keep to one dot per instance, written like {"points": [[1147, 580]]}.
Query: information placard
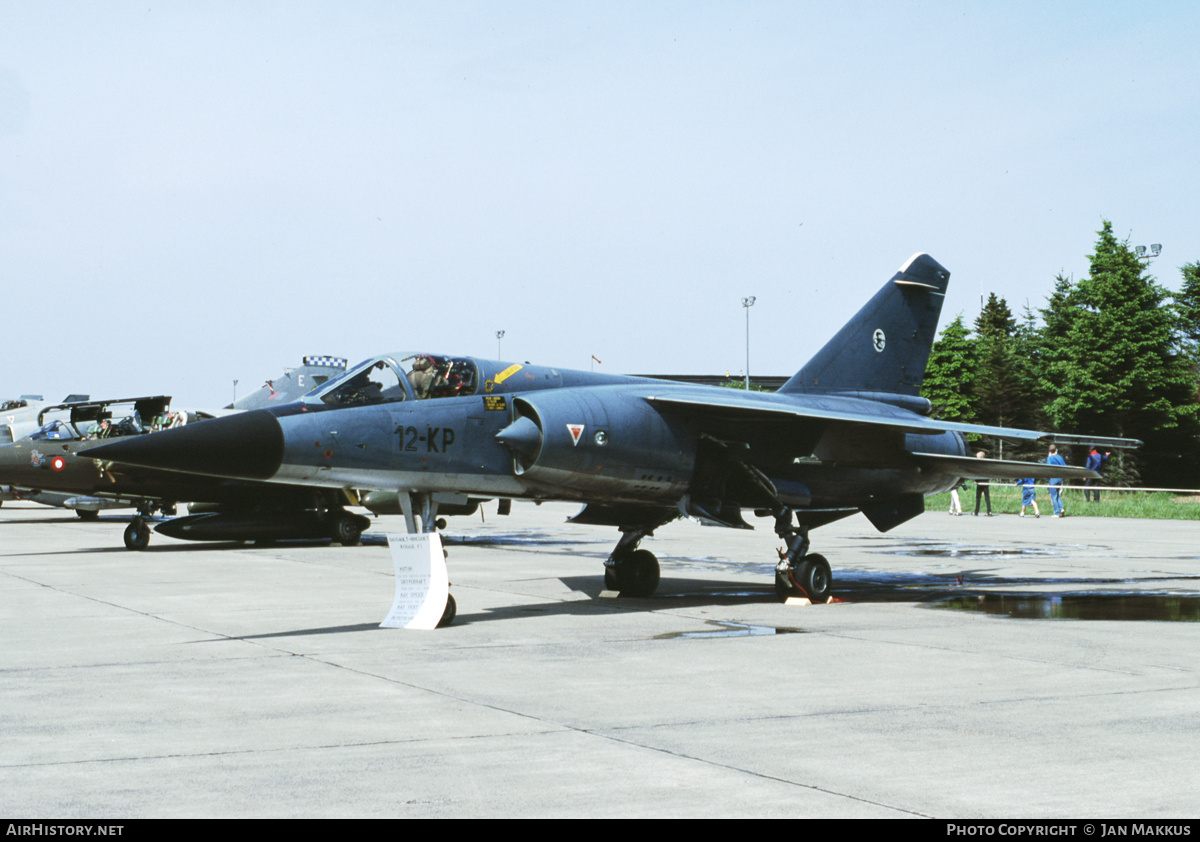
{"points": [[422, 585]]}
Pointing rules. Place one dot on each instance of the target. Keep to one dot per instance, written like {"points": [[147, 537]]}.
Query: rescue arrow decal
{"points": [[508, 372]]}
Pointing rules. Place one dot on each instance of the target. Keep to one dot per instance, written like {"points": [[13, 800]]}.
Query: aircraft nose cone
{"points": [[248, 445], [523, 436]]}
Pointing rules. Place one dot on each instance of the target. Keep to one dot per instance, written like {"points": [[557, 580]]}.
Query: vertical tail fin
{"points": [[293, 383], [885, 347]]}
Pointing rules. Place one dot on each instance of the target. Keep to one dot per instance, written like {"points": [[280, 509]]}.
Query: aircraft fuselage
{"points": [[596, 444]]}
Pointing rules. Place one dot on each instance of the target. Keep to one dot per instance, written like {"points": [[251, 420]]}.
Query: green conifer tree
{"points": [[950, 373], [1187, 305], [1001, 399], [1112, 362]]}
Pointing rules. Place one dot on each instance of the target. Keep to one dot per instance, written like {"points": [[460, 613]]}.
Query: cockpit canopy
{"points": [[414, 377], [106, 419]]}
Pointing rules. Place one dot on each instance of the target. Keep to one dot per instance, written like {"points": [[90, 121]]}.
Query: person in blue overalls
{"points": [[1027, 496], [1095, 462], [1056, 484]]}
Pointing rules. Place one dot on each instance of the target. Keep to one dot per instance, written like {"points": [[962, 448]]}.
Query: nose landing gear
{"points": [[137, 533]]}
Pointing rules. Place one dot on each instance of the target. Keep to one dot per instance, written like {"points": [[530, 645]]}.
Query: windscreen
{"points": [[374, 381]]}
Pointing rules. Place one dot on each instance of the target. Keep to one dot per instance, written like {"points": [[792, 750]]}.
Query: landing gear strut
{"points": [[631, 571], [420, 516], [798, 573]]}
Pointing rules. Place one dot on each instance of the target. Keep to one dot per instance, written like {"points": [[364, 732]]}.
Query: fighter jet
{"points": [[847, 433], [18, 416], [46, 467]]}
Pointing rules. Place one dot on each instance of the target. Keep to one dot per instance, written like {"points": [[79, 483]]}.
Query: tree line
{"points": [[1111, 354]]}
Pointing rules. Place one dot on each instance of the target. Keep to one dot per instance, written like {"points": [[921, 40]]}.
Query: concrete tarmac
{"points": [[194, 680]]}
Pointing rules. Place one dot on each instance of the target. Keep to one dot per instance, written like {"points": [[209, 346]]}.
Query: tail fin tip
{"points": [[921, 270]]}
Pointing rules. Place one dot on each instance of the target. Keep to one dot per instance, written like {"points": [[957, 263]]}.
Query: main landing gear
{"points": [[631, 571], [634, 573], [798, 572]]}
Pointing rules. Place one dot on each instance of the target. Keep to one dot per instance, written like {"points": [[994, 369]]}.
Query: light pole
{"points": [[1155, 251], [499, 336], [747, 303]]}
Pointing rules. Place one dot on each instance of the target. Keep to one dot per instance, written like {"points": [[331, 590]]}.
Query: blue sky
{"points": [[192, 193]]}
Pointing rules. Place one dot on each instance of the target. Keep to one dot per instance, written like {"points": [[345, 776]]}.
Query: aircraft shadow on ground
{"points": [[859, 588], [356, 627], [686, 593], [182, 547], [515, 540], [60, 519]]}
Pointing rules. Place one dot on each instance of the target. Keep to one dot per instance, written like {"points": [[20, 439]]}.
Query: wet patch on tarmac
{"points": [[951, 549], [728, 630], [522, 538], [910, 584], [964, 591], [1080, 606]]}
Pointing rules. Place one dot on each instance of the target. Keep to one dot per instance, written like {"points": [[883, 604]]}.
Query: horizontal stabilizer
{"points": [[970, 467]]}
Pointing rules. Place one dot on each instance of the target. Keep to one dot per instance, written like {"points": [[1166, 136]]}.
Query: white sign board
{"points": [[422, 586]]}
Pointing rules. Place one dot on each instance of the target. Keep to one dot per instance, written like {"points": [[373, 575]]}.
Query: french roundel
{"points": [[57, 463]]}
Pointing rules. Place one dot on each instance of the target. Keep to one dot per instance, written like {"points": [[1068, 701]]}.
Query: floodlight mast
{"points": [[747, 303], [1142, 254]]}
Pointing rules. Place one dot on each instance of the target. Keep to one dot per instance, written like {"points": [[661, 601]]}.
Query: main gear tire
{"points": [[815, 577], [811, 578], [636, 576]]}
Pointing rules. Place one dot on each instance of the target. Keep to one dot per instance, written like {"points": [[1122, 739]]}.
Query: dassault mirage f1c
{"points": [[847, 433]]}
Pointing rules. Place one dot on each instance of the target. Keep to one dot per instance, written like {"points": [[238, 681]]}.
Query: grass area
{"points": [[1006, 499]]}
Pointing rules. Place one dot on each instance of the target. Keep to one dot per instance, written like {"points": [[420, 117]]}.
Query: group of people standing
{"points": [[982, 493], [1095, 462]]}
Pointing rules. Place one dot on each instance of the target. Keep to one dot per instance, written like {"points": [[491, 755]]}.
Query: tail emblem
{"points": [[880, 340]]}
